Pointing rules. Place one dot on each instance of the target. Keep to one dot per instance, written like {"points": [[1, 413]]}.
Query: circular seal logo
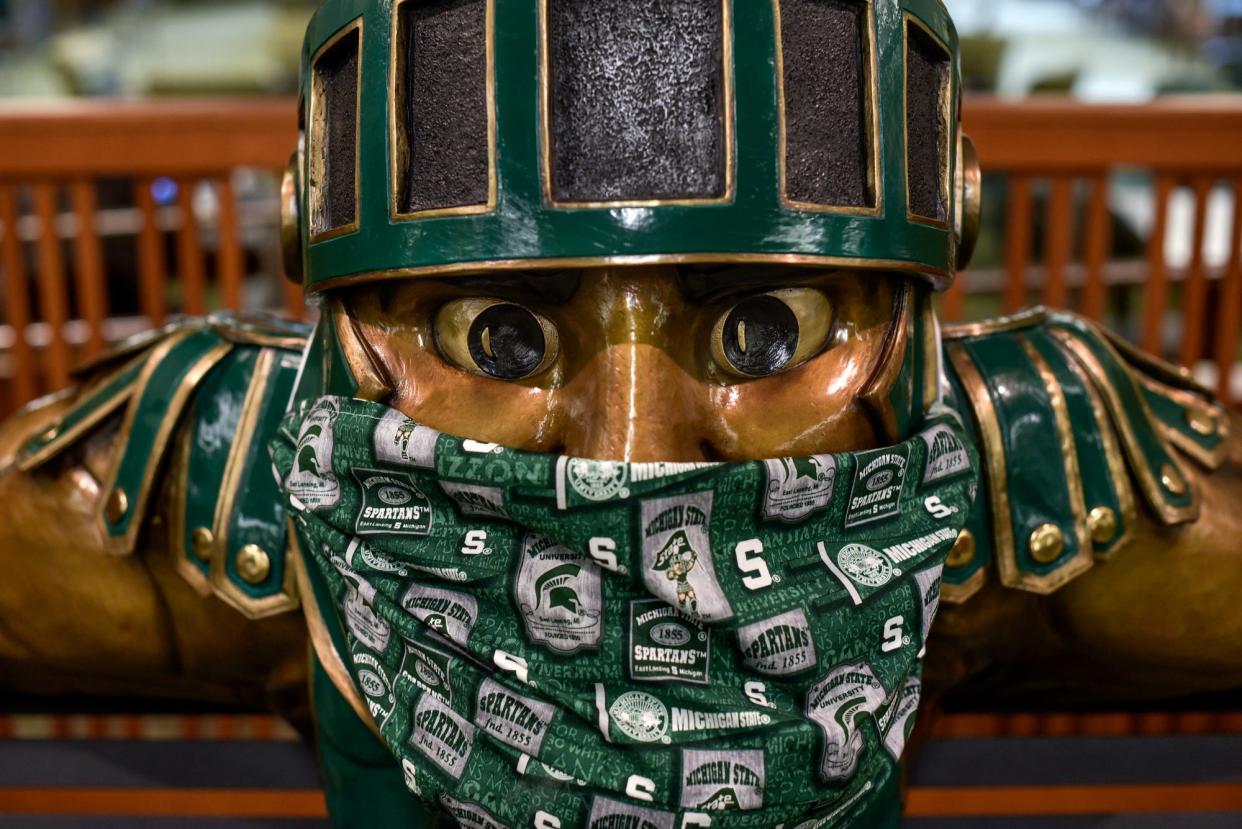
{"points": [[879, 479], [426, 674], [670, 633], [640, 716], [865, 565], [381, 563], [394, 496], [596, 480], [371, 684]]}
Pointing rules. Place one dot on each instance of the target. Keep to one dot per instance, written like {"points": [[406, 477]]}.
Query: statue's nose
{"points": [[633, 402], [631, 399]]}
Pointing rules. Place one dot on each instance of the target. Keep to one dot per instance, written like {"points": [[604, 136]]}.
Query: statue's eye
{"points": [[495, 338], [772, 332]]}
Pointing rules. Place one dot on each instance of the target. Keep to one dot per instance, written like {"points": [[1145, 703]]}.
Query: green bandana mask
{"points": [[554, 642]]}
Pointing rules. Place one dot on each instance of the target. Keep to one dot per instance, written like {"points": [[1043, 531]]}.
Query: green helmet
{"points": [[457, 136]]}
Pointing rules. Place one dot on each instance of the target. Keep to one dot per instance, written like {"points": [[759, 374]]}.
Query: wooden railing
{"points": [[77, 271], [1072, 155], [102, 234], [57, 163]]}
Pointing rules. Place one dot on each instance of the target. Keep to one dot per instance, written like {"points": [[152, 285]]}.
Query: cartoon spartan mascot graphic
{"points": [[722, 780], [676, 559]]}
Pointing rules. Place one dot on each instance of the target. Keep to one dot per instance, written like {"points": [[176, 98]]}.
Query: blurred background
{"points": [[141, 147], [1140, 206], [1097, 50]]}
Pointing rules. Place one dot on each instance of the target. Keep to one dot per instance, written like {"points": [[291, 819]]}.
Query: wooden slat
{"points": [[16, 300], [1229, 309], [190, 252], [1154, 723], [238, 803], [1017, 242], [1191, 134], [1059, 725], [230, 252], [152, 269], [89, 267], [1058, 238], [165, 138], [1194, 723], [195, 137], [53, 292], [1021, 725], [922, 802], [1012, 801], [1194, 297], [1098, 246], [1156, 293], [953, 301], [295, 300], [986, 725]]}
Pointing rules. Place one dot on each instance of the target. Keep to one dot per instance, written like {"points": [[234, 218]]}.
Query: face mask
{"points": [[551, 641]]}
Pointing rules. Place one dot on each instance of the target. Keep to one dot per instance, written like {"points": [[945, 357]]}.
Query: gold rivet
{"points": [[1201, 422], [118, 505], [253, 564], [201, 541], [1102, 522], [1047, 543], [963, 551], [1172, 479]]}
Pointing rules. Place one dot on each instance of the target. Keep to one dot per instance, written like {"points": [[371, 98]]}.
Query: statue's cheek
{"points": [[457, 402], [444, 396], [812, 409]]}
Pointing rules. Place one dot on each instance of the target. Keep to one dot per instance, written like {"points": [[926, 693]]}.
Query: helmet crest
{"points": [[453, 136]]}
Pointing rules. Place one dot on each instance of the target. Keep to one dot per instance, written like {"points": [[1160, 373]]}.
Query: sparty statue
{"points": [[627, 466]]}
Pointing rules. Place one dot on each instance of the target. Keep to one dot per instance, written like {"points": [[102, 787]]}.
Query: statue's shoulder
{"points": [[190, 409], [1079, 432]]}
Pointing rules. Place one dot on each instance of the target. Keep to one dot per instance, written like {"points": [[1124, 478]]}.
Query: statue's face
{"points": [[639, 363]]}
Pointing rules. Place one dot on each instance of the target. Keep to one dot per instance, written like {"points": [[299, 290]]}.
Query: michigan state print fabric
{"points": [[560, 642]]}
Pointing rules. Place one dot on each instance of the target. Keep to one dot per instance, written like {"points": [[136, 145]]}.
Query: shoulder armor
{"points": [[200, 399], [1071, 420]]}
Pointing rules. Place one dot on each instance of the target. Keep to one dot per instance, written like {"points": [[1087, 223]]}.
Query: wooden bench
{"points": [[60, 297], [1070, 154], [1055, 164]]}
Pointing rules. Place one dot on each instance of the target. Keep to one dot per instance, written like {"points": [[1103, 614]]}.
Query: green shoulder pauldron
{"points": [[196, 404], [1076, 428]]}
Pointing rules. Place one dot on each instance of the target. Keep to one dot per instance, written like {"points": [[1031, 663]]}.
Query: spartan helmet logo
{"points": [[812, 469], [312, 479], [798, 487], [553, 589], [307, 462], [838, 704], [676, 559], [560, 595]]}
